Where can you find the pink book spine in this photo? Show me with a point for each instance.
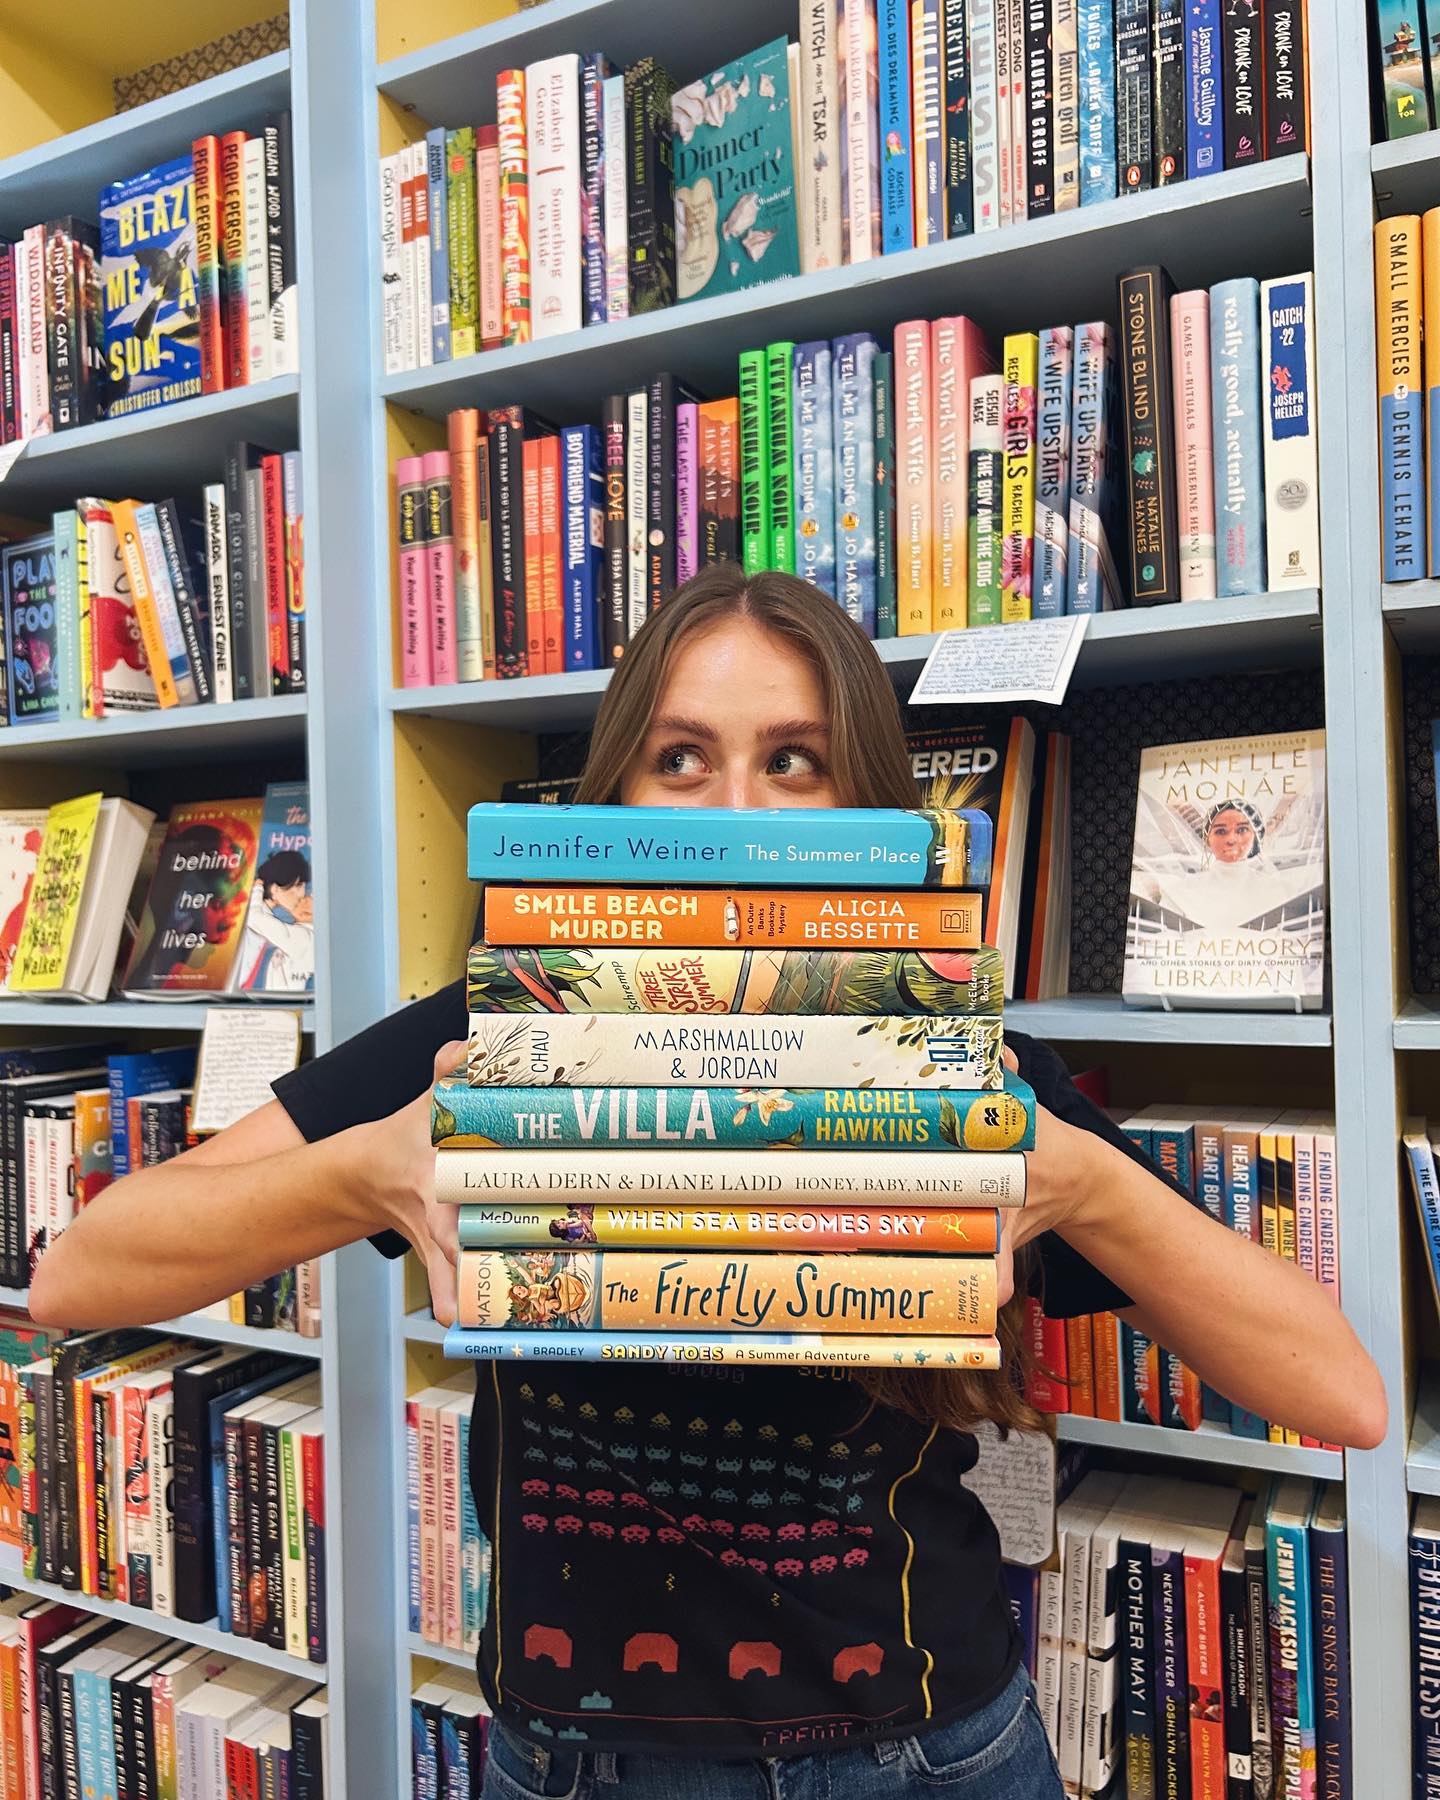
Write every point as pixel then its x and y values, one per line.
pixel 1327 1219
pixel 487 214
pixel 914 487
pixel 410 537
pixel 958 354
pixel 1004 203
pixel 1194 453
pixel 429 1523
pixel 1019 129
pixel 440 568
pixel 1303 1165
pixel 451 1626
pixel 859 41
pixel 687 492
pixel 514 205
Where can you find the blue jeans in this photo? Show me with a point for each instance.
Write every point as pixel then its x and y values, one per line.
pixel 998 1753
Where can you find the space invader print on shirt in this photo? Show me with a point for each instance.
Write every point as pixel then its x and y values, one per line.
pixel 712 1547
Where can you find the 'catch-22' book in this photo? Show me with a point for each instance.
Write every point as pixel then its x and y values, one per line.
pixel 731 1118
pixel 878 847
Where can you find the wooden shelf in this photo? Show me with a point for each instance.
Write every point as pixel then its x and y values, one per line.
pixel 1064 266
pixel 143 740
pixel 121 1015
pixel 1406 173
pixel 1207 1445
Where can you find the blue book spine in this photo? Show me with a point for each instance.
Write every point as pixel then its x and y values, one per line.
pixel 1287 1570
pixel 897 175
pixel 424 1752
pixel 853 377
pixel 1425 1658
pixel 1092 582
pixel 1095 28
pixel 1205 125
pixel 141 1072
pixel 582 532
pixel 594 68
pixel 87 1748
pixel 1172 1698
pixel 1052 470
pixel 412 1518
pixel 1330 1648
pixel 109 1788
pixel 454 1759
pixel 1237 413
pixel 769 847
pixel 1022 1591
pixel 814 429
pixel 439 245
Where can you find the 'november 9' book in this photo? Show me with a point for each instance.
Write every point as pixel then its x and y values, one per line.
pixel 1227 887
pixel 803 847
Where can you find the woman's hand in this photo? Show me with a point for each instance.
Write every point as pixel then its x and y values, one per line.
pixel 1059 1173
pixel 402 1181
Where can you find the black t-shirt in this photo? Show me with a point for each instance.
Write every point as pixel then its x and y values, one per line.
pixel 727 1562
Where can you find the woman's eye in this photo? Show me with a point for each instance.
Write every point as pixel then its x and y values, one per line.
pixel 792 760
pixel 680 759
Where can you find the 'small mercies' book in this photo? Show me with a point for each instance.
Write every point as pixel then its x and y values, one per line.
pixel 1227 888
pixel 873 847
pixel 1398 314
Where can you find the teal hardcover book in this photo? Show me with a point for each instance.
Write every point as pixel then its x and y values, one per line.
pixel 767 847
pixel 735 217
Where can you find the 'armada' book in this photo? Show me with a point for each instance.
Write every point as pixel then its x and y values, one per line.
pixel 772 1349
pixel 935 1230
pixel 1227 888
pixel 579 1290
pixel 606 1049
pixel 874 1118
pixel 880 847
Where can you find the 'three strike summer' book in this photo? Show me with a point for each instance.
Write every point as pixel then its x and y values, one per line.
pixel 877 847
pixel 735 218
pixel 152 298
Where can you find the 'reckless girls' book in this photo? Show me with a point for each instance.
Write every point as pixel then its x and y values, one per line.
pixel 151 293
pixel 735 212
pixel 880 847
pixel 1149 435
pixel 874 1118
pixel 576 979
pixel 1227 888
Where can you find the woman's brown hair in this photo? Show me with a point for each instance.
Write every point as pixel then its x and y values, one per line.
pixel 870 767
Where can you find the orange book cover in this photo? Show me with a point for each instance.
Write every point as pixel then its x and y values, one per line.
pixel 530 538
pixel 1105 1361
pixel 551 583
pixel 586 1290
pixel 959 353
pixel 1204 1551
pixel 1046 1389
pixel 1079 1357
pixel 712 918
pixel 462 435
pixel 914 497
pixel 142 599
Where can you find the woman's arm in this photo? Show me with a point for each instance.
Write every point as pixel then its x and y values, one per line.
pixel 254 1199
pixel 1260 1330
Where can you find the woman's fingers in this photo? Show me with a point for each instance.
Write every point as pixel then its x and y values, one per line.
pixel 450 1058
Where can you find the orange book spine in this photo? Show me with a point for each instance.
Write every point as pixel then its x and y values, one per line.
pixel 914 495
pixel 142 598
pixel 1205 1677
pixel 1079 1358
pixel 463 439
pixel 711 918
pixel 551 599
pixel 530 549
pixel 1105 1361
pixel 959 353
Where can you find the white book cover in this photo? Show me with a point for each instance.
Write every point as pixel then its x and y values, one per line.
pixel 1048 1631
pixel 637 435
pixel 1292 500
pixel 552 117
pixel 217 591
pixel 1227 883
pixel 817 170
pixel 257 275
pixel 424 353
pixel 984 116
pixel 395 345
pixel 1065 108
pixel 34 343
pixel 22 830
pixel 411 172
pixel 160 1431
pixel 617 204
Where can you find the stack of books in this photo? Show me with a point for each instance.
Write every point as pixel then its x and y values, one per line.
pixel 677 1036
pixel 449 1731
pixel 448 1557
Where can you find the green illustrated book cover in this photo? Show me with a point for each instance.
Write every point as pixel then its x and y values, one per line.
pixel 735 222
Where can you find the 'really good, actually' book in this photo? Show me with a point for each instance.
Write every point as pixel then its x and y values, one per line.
pixel 735 207
pixel 1227 886
pixel 506 1050
pixel 572 978
pixel 194 915
pixel 578 1290
pixel 880 847
pixel 540 1225
pixel 1237 399
pixel 663 1118
pixel 151 290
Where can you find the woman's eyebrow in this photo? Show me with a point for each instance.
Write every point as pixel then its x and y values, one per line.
pixel 795 728
pixel 696 728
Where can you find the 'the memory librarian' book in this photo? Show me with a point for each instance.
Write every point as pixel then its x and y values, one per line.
pixel 836 847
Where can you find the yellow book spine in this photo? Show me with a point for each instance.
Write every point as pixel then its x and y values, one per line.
pixel 42 956
pixel 1017 554
pixel 142 597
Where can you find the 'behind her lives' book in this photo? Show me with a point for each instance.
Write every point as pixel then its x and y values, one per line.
pixel 1227 889
pixel 191 927
pixel 792 846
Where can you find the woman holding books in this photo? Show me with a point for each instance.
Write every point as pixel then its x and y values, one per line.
pixel 688 1628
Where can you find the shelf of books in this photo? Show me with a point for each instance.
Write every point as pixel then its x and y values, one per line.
pixel 1205 1445
pixel 1422 1464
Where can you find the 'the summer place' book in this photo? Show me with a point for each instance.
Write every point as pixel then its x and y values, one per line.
pixel 853 1118
pixel 797 846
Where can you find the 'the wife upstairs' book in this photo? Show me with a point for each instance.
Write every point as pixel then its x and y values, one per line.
pixel 793 847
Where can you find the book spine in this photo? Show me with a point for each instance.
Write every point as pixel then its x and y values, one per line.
pixel 581 531
pixel 440 566
pixel 899 167
pixel 1066 147
pixel 950 382
pixel 637 474
pixel 514 206
pixel 282 300
pixel 292 1557
pixel 9 349
pixel 217 595
pixel 1287 1569
pixel 160 1435
pixel 957 107
pixel 780 455
pixel 1237 1675
pixel 754 461
pixel 1105 1358
pixel 462 270
pixel 1095 32
pixel 1038 82
pixel 552 583
pixel 507 454
pixel 882 414
pixel 1430 254
pixel 1171 1700
pixel 738 1349
pixel 412 1512
pixel 984 116
pixel 489 280
pixel 62 322
pixel 616 600
pixel 1017 555
pixel 271 523
pixel 1134 97
pixel 1054 401
pixel 1137 1686
pixel 395 347
pixel 186 597
pixel 822 246
pixel 1004 56
pixel 651 188
pixel 1424 1651
pixel 687 491
pixel 813 408
pixel 415 253
pixel 1092 584
pixel 1330 1631
pixel 1285 78
pixel 1168 27
pixel 593 70
pixel 1019 122
pixel 497 1225
pixel 854 361
pixel 1149 435
pixel 914 480
pixel 1292 507
pixel 313 1503
pixel 1239 475
pixel 142 596
pixel 35 362
pixel 1205 125
pixel 927 100
pixel 1194 443
pixel 531 556
pixel 659 491
pixel 961 1053
pixel 463 440
pixel 447 1444
pixel 1205 1675
pixel 1240 52
pixel 986 459
pixel 617 219
pixel 166 604
pixel 552 117
pixel 233 216
pixel 429 1460
pixel 858 36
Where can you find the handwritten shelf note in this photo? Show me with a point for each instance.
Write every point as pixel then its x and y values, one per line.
pixel 1014 1480
pixel 242 1050
pixel 990 663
